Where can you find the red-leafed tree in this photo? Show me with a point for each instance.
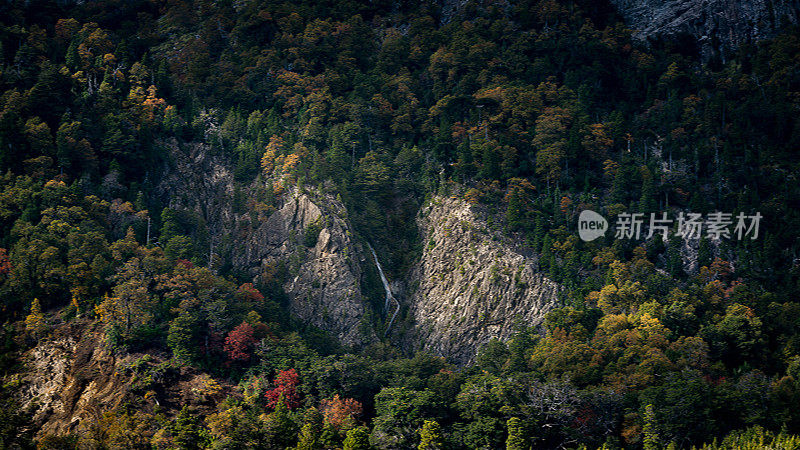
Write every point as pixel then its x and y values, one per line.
pixel 248 293
pixel 337 410
pixel 285 384
pixel 5 263
pixel 239 342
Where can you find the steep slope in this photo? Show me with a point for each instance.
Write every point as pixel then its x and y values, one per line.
pixel 715 24
pixel 72 379
pixel 324 274
pixel 471 284
pixel 324 279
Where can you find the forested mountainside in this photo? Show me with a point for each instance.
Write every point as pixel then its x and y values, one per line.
pixel 343 224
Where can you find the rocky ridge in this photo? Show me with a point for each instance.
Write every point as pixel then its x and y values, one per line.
pixel 72 378
pixel 471 284
pixel 468 287
pixel 324 284
pixel 324 278
pixel 716 25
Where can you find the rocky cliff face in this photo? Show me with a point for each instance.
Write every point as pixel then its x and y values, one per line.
pixel 470 284
pixel 324 285
pixel 324 273
pixel 717 25
pixel 72 379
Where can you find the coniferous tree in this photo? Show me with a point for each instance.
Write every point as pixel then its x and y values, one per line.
pixel 516 436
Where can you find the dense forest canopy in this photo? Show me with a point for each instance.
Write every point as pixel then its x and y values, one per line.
pixel 531 110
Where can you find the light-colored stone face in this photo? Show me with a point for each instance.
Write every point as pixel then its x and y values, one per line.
pixel 468 287
pixel 324 283
pixel 48 366
pixel 69 383
pixel 720 23
pixel 471 283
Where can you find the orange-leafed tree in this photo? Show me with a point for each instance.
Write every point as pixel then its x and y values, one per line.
pixel 274 149
pixel 338 411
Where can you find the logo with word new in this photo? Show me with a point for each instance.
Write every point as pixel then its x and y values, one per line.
pixel 717 225
pixel 591 225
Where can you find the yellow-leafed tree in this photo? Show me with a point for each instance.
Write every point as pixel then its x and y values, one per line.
pixel 35 323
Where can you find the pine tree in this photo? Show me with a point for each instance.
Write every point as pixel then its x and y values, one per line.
pixel 514 212
pixel 282 430
pixel 674 259
pixel 465 168
pixel 71 58
pixel 170 226
pixel 538 230
pixel 311 434
pixel 187 430
pixel 181 337
pixel 490 162
pixel 647 203
pixel 551 128
pixel 518 345
pixel 546 256
pixel 650 439
pixel 309 438
pixel 619 188
pixel 516 435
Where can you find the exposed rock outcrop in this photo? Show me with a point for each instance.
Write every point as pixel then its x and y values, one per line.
pixel 324 278
pixel 470 285
pixel 72 379
pixel 717 25
pixel 324 282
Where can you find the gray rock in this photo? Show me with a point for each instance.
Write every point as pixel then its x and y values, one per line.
pixel 324 283
pixel 717 25
pixel 324 280
pixel 470 284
